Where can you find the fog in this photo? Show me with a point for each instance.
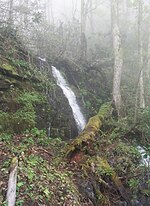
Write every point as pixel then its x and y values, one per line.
pixel 71 18
pixel 67 10
pixel 64 9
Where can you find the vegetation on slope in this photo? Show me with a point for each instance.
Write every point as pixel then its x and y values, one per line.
pixel 45 177
pixel 30 100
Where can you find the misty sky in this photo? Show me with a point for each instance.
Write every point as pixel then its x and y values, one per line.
pixel 63 9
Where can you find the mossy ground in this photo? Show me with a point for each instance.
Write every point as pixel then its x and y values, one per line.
pixel 45 177
pixel 42 179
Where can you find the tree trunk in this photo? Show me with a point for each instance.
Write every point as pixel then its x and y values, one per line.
pixel 148 56
pixel 83 17
pixel 49 11
pixel 25 16
pixel 10 17
pixel 140 55
pixel 141 86
pixel 91 16
pixel 83 27
pixel 118 59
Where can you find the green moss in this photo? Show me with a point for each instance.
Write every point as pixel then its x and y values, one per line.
pixel 8 67
pixel 91 129
pixel 25 115
pixel 105 110
pixel 10 81
pixel 94 123
pixel 98 166
pixel 14 163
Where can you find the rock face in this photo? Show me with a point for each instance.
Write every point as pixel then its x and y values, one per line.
pixel 55 111
pixel 21 73
pixel 62 117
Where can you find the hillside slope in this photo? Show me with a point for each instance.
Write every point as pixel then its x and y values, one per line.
pixel 35 117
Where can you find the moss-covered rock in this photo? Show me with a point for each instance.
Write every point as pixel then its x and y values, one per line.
pixel 9 68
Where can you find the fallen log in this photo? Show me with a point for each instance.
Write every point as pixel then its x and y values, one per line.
pixel 11 191
pixel 91 130
pixel 80 145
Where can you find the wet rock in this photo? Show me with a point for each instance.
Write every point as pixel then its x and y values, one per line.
pixel 122 203
pixel 88 190
pixel 145 201
pixel 136 203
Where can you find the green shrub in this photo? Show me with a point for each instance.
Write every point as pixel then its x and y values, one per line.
pixel 144 124
pixel 29 98
pixel 5 121
pixel 25 117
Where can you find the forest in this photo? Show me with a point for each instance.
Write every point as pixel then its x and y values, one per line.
pixel 75 102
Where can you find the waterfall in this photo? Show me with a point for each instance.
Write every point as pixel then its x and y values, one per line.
pixel 145 158
pixel 78 116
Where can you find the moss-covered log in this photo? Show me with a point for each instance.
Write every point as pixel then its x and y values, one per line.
pixel 114 177
pixel 76 150
pixel 91 129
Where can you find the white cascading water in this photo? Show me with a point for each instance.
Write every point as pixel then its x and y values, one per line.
pixel 145 160
pixel 78 116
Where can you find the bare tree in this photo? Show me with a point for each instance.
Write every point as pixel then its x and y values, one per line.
pixel 87 8
pixel 118 59
pixel 49 8
pixel 10 17
pixel 91 19
pixel 83 28
pixel 148 56
pixel 140 54
pixel 26 7
pixel 83 16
